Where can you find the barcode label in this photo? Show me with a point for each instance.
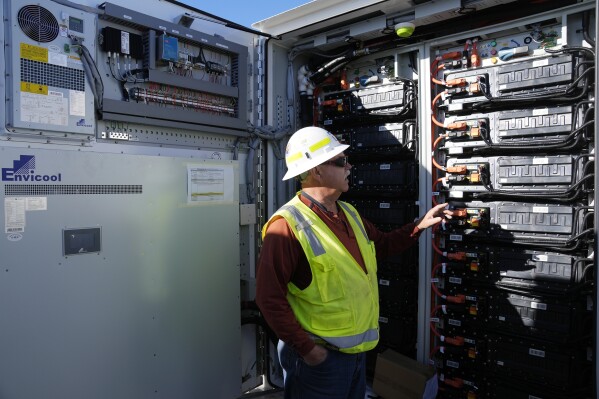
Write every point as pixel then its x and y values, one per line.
pixel 536 352
pixel 455 365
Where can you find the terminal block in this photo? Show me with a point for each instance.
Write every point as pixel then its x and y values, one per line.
pixel 466 86
pixel 469 129
pixel 470 218
pixel 467 174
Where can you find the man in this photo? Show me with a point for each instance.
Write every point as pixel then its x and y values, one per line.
pixel 316 277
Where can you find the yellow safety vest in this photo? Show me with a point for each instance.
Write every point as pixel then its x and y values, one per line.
pixel 341 304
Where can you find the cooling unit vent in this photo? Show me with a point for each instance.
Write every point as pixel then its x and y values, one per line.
pixel 38 23
pixel 11 190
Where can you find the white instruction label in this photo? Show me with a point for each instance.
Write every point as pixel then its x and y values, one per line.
pixel 36 203
pixel 14 214
pixel 125 42
pixel 51 109
pixel 77 104
pixel 57 59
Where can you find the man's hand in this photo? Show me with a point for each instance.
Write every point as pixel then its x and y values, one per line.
pixel 433 216
pixel 317 355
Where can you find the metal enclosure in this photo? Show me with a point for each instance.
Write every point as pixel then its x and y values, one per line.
pixel 502 112
pixel 121 230
pixel 141 151
pixel 153 313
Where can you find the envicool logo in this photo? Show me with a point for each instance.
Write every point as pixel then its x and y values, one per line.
pixel 81 122
pixel 23 169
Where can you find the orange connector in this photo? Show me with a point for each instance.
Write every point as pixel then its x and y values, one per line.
pixel 460 125
pixel 457 170
pixel 474 87
pixel 454 382
pixel 474 177
pixel 460 213
pixel 457 341
pixel 456 82
pixel 456 298
pixel 460 256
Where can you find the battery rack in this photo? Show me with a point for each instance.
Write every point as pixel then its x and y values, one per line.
pixel 513 276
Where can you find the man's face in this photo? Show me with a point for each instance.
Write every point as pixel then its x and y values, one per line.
pixel 334 174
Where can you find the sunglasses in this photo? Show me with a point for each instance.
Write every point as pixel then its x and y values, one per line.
pixel 341 162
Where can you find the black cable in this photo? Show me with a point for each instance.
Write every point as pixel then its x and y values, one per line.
pixel 549 242
pixel 562 144
pixel 325 70
pixel 572 49
pixel 550 94
pixel 91 71
pixel 546 293
pixel 570 194
pixel 586 17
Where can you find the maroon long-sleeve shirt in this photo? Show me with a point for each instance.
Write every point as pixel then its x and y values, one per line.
pixel 282 260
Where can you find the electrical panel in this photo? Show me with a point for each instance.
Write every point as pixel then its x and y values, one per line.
pixel 48 93
pixel 168 75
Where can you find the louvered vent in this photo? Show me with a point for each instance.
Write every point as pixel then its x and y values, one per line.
pixel 21 190
pixel 38 23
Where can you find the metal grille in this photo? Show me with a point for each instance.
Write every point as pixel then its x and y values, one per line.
pixel 38 23
pixel 52 75
pixel 70 189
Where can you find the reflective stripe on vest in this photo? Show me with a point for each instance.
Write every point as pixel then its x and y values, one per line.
pixel 303 224
pixel 351 341
pixel 355 216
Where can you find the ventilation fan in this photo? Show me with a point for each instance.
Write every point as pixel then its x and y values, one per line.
pixel 38 23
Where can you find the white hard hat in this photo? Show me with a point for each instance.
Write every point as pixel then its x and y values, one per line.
pixel 309 147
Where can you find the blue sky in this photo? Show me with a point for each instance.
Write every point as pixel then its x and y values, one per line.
pixel 244 12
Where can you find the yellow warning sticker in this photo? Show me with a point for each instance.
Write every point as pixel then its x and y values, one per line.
pixel 34 88
pixel 34 53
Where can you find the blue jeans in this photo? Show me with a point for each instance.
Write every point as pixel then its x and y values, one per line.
pixel 340 376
